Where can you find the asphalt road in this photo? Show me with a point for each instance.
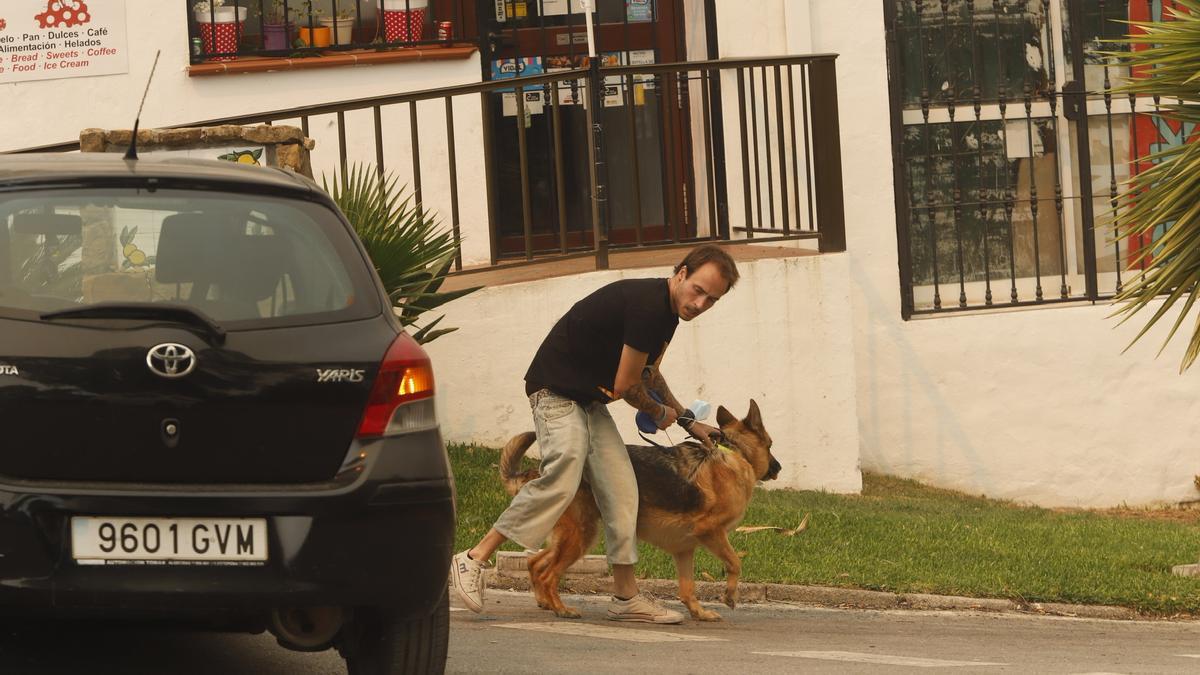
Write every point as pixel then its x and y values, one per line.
pixel 513 636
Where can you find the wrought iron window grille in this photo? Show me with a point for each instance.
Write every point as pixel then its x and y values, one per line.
pixel 1008 149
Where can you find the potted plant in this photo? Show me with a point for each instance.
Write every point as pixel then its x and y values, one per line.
pixel 341 25
pixel 277 28
pixel 310 32
pixel 410 248
pixel 216 11
pixel 220 27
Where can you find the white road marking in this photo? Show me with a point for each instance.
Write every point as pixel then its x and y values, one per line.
pixel 882 659
pixel 1189 656
pixel 607 633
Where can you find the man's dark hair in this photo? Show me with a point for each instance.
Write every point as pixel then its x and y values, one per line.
pixel 710 253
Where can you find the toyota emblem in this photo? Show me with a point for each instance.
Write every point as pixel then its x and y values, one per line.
pixel 171 360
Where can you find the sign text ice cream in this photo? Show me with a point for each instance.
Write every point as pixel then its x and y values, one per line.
pixel 51 39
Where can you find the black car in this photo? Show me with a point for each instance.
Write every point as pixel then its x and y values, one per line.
pixel 209 409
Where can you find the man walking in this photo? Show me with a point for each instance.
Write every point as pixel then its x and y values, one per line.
pixel 608 346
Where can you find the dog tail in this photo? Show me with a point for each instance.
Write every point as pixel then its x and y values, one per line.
pixel 510 462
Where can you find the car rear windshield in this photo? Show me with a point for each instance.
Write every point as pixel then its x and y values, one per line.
pixel 235 257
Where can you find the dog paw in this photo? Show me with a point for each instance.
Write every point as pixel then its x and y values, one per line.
pixel 706 615
pixel 567 613
pixel 730 598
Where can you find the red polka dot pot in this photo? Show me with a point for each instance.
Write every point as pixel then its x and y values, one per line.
pixel 404 20
pixel 223 35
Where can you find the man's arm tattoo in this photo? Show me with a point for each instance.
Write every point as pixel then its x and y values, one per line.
pixel 653 379
pixel 639 397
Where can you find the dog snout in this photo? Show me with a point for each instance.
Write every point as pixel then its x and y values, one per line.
pixel 773 469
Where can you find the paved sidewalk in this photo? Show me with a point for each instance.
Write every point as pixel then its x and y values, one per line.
pixel 513 636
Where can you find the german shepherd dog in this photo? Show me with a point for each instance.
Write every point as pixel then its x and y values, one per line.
pixel 689 496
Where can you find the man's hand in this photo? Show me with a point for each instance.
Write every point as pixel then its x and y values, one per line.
pixel 667 417
pixel 704 433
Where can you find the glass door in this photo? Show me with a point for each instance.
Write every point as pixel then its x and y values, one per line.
pixel 532 37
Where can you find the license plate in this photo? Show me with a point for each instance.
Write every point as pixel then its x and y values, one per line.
pixel 168 541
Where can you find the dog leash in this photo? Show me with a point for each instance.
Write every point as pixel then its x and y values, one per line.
pixel 721 444
pixel 644 422
pixel 656 444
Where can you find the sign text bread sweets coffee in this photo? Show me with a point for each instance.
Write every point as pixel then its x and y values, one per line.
pixel 52 39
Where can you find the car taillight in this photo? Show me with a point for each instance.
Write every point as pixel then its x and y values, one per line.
pixel 402 397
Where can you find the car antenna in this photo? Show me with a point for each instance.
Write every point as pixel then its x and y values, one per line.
pixel 131 153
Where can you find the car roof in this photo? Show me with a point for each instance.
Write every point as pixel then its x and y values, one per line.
pixel 59 167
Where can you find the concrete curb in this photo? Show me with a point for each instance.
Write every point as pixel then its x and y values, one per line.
pixel 1190 570
pixel 822 596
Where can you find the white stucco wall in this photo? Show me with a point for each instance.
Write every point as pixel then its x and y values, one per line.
pixel 768 340
pixel 53 111
pixel 1037 406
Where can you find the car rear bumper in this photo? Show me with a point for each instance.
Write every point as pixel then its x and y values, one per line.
pixel 386 540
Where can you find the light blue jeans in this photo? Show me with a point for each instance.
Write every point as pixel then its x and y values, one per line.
pixel 577 442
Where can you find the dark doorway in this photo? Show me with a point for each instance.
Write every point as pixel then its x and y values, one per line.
pixel 644 143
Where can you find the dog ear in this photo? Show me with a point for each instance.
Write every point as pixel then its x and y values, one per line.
pixel 754 417
pixel 724 417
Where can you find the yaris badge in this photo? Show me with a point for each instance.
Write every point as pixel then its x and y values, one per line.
pixel 171 360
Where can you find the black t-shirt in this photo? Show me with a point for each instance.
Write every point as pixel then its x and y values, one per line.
pixel 579 358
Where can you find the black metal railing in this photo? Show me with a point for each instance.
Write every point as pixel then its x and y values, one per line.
pixel 299 28
pixel 1009 146
pixel 664 175
pixel 710 151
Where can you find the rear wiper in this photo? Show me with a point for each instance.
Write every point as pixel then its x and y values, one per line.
pixel 141 310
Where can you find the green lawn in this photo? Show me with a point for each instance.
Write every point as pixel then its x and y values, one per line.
pixel 902 536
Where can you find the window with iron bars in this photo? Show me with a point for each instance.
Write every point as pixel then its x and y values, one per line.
pixel 1010 149
pixel 226 30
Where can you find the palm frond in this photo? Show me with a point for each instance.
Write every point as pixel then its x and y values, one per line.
pixel 1164 62
pixel 411 251
pixel 427 334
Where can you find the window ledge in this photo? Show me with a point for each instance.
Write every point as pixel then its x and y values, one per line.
pixel 358 57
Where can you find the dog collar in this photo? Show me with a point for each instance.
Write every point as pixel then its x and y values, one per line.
pixel 724 448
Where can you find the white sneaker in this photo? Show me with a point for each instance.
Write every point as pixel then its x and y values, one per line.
pixel 466 577
pixel 642 608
